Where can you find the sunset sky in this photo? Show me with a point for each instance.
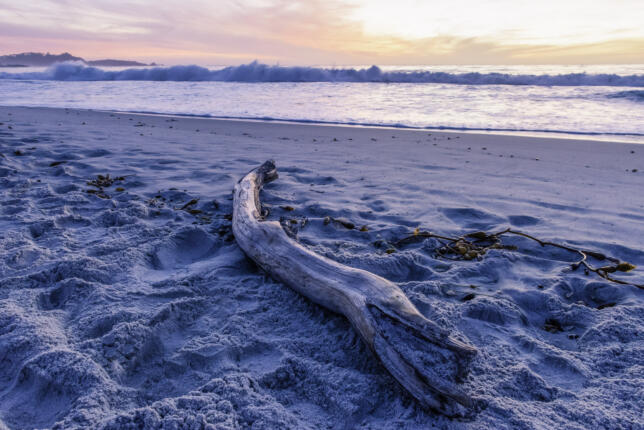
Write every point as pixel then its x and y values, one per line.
pixel 330 32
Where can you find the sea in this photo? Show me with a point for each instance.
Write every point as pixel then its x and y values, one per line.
pixel 602 102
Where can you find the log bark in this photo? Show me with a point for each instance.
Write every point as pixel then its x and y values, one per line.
pixel 424 358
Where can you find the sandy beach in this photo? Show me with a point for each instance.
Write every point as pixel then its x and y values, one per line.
pixel 126 301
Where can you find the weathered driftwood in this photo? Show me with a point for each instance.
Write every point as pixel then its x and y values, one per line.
pixel 426 360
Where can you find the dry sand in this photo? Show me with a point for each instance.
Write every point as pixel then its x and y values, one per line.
pixel 138 309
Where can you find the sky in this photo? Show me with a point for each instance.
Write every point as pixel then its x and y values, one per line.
pixel 330 32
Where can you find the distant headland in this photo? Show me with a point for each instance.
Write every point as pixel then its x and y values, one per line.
pixel 38 59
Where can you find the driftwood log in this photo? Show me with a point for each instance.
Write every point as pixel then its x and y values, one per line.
pixel 423 357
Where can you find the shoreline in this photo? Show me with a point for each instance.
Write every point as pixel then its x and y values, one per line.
pixel 520 134
pixel 556 134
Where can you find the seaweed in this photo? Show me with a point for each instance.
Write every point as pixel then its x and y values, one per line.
pixel 341 221
pixel 104 181
pixel 101 182
pixel 475 245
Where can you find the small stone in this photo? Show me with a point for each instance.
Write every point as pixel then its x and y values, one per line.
pixel 606 305
pixel 345 223
pixel 552 325
pixel 468 297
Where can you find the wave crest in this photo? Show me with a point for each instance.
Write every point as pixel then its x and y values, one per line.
pixel 257 72
pixel 634 95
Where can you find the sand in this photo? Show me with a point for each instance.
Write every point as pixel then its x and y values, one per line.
pixel 133 307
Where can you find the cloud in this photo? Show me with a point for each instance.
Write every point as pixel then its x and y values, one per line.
pixel 290 32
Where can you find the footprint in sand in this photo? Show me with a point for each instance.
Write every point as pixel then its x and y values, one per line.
pixel 522 220
pixel 185 247
pixel 472 218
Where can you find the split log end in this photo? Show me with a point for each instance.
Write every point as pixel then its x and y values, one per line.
pixel 267 172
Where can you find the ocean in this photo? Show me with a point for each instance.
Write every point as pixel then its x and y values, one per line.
pixel 603 102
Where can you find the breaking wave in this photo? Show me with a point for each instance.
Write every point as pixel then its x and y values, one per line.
pixel 257 72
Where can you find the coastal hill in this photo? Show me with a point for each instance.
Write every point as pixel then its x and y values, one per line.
pixel 37 59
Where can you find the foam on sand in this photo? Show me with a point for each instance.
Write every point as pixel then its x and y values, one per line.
pixel 133 306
